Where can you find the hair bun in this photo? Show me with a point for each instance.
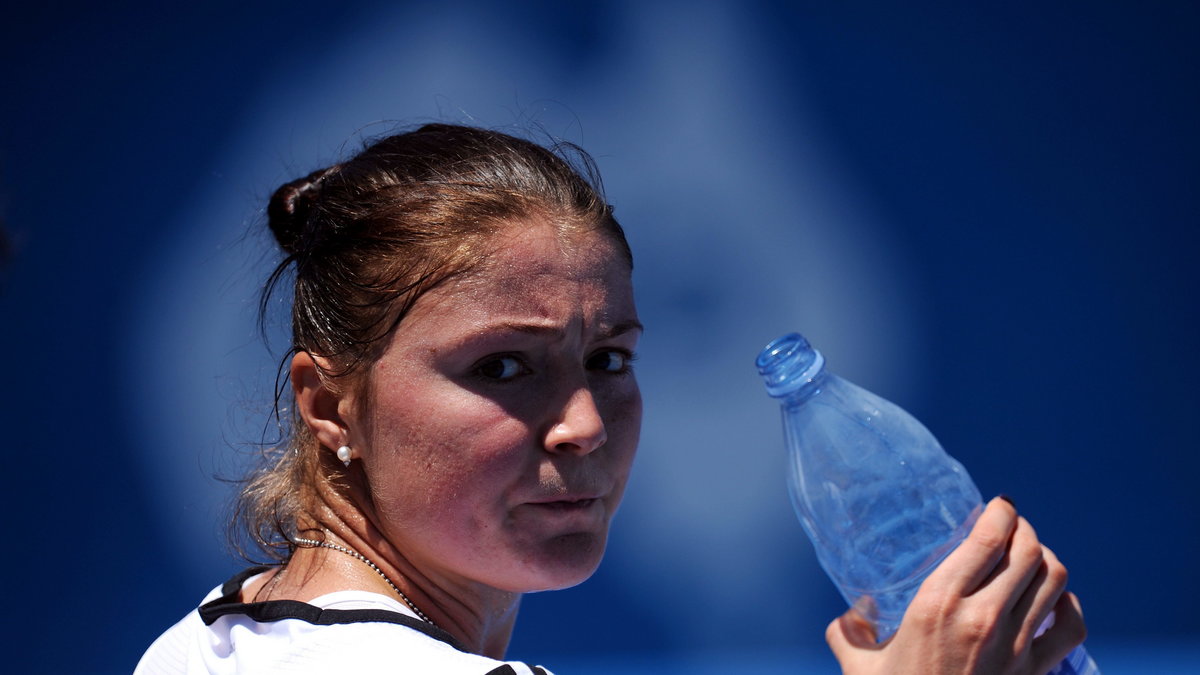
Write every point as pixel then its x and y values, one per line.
pixel 290 207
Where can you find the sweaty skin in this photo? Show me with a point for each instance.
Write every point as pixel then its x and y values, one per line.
pixel 492 438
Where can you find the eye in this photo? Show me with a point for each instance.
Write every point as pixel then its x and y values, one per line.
pixel 610 361
pixel 501 368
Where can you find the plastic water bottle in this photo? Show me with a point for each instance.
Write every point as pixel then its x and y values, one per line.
pixel 880 499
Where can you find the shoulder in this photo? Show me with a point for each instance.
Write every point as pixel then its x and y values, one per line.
pixel 225 635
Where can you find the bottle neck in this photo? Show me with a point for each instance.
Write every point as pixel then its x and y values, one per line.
pixel 791 369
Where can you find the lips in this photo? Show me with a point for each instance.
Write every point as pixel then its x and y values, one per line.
pixel 567 504
pixel 567 497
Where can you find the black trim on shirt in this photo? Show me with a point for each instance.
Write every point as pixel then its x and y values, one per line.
pixel 230 602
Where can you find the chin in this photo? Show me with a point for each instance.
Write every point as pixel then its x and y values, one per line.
pixel 565 561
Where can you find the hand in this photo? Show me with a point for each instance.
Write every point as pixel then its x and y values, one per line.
pixel 978 612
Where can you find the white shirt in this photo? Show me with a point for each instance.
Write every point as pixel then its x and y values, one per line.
pixel 348 631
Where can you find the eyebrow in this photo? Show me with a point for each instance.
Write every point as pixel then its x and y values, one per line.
pixel 616 329
pixel 624 327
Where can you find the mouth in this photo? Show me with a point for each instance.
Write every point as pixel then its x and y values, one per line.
pixel 564 514
pixel 567 504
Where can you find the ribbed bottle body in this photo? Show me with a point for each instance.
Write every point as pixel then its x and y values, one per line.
pixel 880 499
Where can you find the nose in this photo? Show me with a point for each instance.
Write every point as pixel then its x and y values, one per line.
pixel 579 429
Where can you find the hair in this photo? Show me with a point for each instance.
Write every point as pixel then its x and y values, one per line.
pixel 365 239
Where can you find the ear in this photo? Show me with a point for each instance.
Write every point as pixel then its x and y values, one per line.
pixel 317 404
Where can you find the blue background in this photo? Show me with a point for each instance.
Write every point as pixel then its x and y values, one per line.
pixel 987 214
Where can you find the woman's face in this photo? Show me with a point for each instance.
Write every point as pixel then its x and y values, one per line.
pixel 500 423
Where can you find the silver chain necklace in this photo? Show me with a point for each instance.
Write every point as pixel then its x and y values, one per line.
pixel 356 554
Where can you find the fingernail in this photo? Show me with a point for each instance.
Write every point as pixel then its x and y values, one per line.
pixel 1008 499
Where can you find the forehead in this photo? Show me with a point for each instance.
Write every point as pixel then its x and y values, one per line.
pixel 522 254
pixel 534 267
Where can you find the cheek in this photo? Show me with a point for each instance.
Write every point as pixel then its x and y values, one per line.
pixel 429 460
pixel 623 422
pixel 621 406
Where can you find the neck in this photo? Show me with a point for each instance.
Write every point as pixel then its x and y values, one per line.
pixel 478 616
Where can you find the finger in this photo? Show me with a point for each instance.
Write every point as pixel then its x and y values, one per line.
pixel 1067 633
pixel 1012 576
pixel 977 556
pixel 848 633
pixel 1041 597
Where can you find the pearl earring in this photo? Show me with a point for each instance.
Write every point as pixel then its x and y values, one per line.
pixel 345 454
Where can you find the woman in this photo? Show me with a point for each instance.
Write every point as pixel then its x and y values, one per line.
pixel 465 420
